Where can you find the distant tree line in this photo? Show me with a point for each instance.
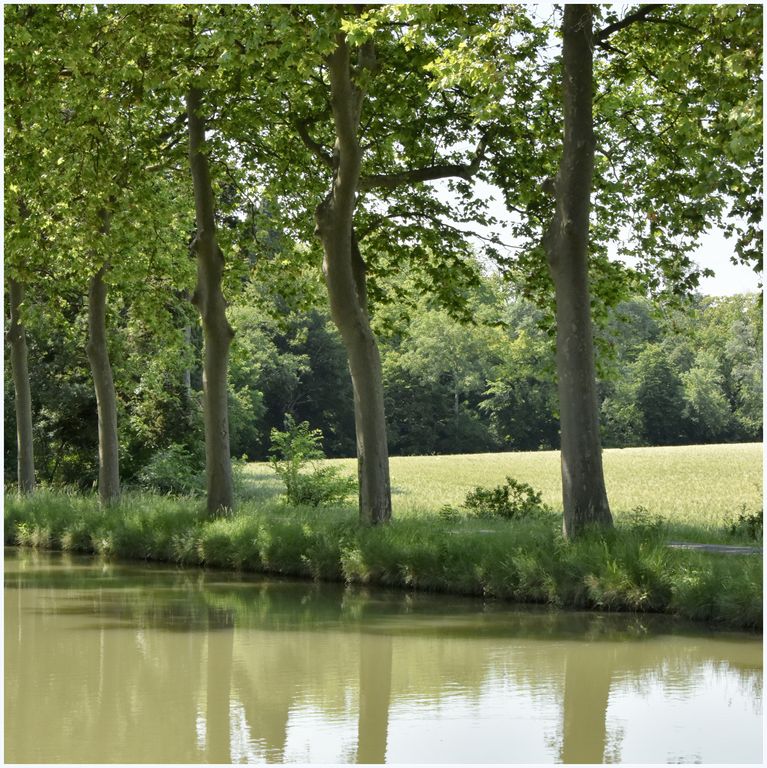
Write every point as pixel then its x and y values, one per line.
pixel 688 374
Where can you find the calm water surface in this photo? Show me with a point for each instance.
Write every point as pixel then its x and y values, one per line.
pixel 115 663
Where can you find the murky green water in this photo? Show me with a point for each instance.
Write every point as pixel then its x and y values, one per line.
pixel 114 663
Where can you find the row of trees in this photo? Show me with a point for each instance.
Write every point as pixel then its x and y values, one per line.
pixel 312 130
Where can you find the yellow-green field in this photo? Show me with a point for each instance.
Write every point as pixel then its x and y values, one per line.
pixel 700 485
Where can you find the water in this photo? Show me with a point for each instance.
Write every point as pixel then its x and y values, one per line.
pixel 125 663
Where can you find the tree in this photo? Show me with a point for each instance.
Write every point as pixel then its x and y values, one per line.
pixel 706 406
pixel 209 299
pixel 566 243
pixel 95 210
pixel 657 115
pixel 360 63
pixel 659 397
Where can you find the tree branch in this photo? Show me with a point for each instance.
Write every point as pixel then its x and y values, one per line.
pixel 314 147
pixel 431 173
pixel 632 18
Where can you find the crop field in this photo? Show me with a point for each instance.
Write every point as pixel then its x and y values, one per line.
pixel 699 485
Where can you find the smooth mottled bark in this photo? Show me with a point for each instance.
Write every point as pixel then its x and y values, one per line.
pixel 106 398
pixel 344 271
pixel 566 245
pixel 186 374
pixel 23 395
pixel 209 300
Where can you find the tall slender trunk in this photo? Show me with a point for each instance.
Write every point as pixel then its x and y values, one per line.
pixel 23 394
pixel 106 399
pixel 566 245
pixel 186 374
pixel 209 300
pixel 344 271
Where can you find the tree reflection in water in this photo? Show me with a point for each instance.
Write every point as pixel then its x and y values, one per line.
pixel 126 664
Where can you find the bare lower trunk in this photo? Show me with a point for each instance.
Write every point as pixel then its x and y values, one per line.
pixel 209 300
pixel 23 395
pixel 186 375
pixel 566 244
pixel 106 399
pixel 346 290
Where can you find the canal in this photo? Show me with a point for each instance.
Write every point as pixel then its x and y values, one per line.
pixel 108 662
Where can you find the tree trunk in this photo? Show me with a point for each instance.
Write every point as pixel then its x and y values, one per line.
pixel 209 300
pixel 566 245
pixel 23 395
pixel 106 399
pixel 344 271
pixel 186 374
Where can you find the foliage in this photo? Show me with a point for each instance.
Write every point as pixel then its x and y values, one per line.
pixel 513 499
pixel 643 522
pixel 100 127
pixel 298 448
pixel 174 470
pixel 748 524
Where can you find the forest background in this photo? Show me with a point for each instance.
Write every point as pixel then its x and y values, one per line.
pixel 685 373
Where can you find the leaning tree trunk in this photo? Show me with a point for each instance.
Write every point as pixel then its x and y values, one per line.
pixel 566 244
pixel 18 343
pixel 345 278
pixel 106 399
pixel 209 300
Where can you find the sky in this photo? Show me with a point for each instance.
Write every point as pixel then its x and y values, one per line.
pixel 713 252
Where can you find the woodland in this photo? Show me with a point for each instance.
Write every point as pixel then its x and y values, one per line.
pixel 217 217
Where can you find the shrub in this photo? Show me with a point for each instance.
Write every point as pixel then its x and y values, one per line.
pixel 642 522
pixel 448 513
pixel 513 499
pixel 294 451
pixel 748 524
pixel 174 469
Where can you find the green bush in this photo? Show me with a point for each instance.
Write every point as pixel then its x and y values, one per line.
pixel 174 470
pixel 748 524
pixel 297 450
pixel 642 522
pixel 511 500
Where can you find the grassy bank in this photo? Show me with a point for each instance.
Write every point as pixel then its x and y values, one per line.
pixel 521 560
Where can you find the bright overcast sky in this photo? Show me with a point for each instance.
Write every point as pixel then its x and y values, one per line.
pixel 713 252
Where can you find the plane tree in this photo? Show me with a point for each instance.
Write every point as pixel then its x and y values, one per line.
pixel 638 136
pixel 90 211
pixel 356 135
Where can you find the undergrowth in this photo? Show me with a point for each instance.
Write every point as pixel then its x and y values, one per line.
pixel 525 560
